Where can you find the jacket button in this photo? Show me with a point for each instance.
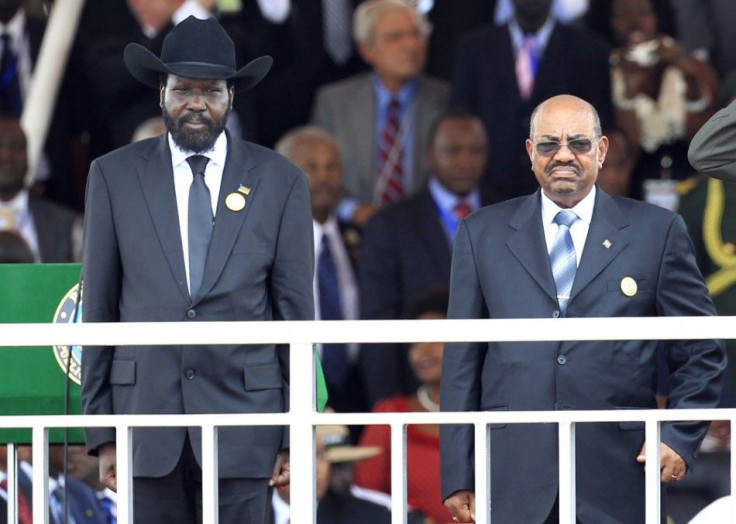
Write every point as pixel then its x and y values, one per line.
pixel 562 360
pixel 191 313
pixel 556 314
pixel 189 373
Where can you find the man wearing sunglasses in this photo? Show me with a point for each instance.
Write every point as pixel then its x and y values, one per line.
pixel 571 250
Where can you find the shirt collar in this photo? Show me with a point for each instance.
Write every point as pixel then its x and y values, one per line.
pixel 18 203
pixel 447 200
pixel 384 96
pixel 15 27
pixel 329 228
pixel 584 209
pixel 541 37
pixel 217 154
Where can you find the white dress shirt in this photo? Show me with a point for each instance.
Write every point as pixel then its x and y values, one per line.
pixel 183 181
pixel 578 231
pixel 275 11
pixel 24 224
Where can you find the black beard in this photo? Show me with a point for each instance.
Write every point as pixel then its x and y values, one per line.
pixel 195 140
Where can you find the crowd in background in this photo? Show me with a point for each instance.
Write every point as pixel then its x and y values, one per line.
pixel 406 116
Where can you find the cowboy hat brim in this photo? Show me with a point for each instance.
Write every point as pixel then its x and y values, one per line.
pixel 147 69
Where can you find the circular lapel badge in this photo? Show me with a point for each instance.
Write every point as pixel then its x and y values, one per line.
pixel 235 201
pixel 628 286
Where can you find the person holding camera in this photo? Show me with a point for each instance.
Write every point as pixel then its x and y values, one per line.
pixel 662 95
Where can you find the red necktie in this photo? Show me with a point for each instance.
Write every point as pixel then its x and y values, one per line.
pixel 462 209
pixel 24 511
pixel 391 170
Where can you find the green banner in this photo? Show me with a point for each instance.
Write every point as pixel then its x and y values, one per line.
pixel 32 379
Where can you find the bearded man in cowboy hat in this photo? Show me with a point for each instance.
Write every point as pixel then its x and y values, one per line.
pixel 195 226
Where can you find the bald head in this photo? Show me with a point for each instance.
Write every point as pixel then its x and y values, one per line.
pixel 568 101
pixel 316 152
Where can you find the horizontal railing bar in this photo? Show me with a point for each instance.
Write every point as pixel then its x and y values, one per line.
pixel 361 331
pixel 284 419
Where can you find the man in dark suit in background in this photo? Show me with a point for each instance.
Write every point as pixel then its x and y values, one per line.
pixel 53 232
pixel 336 245
pixel 570 250
pixel 503 72
pixel 406 249
pixel 308 39
pixel 153 251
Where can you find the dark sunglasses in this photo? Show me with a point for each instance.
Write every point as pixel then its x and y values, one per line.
pixel 579 146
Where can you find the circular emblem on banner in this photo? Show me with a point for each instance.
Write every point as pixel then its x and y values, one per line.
pixel 69 358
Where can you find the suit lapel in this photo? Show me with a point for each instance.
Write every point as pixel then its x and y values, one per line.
pixel 547 80
pixel 529 245
pixel 506 65
pixel 360 110
pixel 157 180
pixel 228 224
pixel 432 234
pixel 425 110
pixel 607 228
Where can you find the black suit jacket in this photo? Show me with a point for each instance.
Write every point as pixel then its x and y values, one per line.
pixel 301 66
pixel 56 227
pixel 259 267
pixel 405 253
pixel 339 508
pixel 575 62
pixel 501 269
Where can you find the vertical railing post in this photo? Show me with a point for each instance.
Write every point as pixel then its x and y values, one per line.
pixel 302 406
pixel 732 501
pixel 567 493
pixel 40 474
pixel 482 435
pixel 124 472
pixel 652 476
pixel 398 474
pixel 12 472
pixel 210 478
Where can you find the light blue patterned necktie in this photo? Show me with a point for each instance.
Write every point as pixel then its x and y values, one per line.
pixel 562 257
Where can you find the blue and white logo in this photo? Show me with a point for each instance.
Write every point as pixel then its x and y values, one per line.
pixel 70 311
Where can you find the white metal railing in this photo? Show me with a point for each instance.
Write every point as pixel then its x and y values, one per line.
pixel 302 418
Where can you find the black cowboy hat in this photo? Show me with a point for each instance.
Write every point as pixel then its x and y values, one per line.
pixel 195 49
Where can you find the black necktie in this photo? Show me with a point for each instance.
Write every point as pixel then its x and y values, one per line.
pixel 334 356
pixel 200 222
pixel 10 100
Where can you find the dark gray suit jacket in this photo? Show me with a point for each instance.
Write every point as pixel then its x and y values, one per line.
pixel 501 269
pixel 405 254
pixel 259 267
pixel 57 228
pixel 347 109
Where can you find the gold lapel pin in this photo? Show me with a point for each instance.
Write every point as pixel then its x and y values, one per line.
pixel 628 286
pixel 235 201
pixel 244 189
pixel 607 244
